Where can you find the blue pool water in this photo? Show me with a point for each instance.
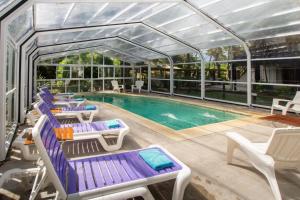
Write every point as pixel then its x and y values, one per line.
pixel 173 114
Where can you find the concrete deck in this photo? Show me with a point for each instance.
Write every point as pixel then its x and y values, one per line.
pixel 202 148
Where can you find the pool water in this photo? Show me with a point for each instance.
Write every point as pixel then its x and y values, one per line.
pixel 173 114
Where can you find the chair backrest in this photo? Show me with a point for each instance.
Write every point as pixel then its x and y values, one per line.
pixel 139 84
pixel 43 109
pixel 115 84
pixel 47 92
pixel 52 154
pixel 297 100
pixel 284 145
pixel 43 97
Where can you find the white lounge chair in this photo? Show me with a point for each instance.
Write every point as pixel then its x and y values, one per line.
pixel 282 150
pixel 116 86
pixel 291 105
pixel 138 86
pixel 107 176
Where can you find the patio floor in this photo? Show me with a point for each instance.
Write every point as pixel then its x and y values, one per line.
pixel 203 149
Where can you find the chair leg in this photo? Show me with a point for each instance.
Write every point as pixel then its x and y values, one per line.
pixel 231 146
pixel 271 177
pixel 182 180
pixel 272 110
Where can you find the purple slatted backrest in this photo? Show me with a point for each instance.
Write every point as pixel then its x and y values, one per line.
pixel 55 152
pixel 47 92
pixel 44 109
pixel 47 100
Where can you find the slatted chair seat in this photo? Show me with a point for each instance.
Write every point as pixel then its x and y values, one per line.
pixel 93 126
pixel 101 174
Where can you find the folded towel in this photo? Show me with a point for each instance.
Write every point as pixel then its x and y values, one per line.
pixel 156 159
pixel 112 124
pixel 79 99
pixel 90 107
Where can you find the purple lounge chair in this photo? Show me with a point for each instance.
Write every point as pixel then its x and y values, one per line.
pixel 63 101
pixel 71 111
pixel 91 130
pixel 59 95
pixel 100 175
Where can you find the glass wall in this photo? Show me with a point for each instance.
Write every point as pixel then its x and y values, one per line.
pixel 11 104
pixel 87 75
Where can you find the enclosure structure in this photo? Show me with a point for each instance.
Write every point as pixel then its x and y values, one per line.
pixel 244 52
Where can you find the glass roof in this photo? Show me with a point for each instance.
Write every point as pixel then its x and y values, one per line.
pixel 169 27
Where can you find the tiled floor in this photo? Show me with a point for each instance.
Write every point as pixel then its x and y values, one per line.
pixel 203 149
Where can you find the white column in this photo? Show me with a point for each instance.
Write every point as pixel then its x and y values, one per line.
pixel 149 77
pixel 202 71
pixel 92 77
pixel 249 81
pixel 103 62
pixel 171 77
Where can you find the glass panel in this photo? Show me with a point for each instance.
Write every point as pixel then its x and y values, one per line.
pixel 85 58
pixel 108 72
pixel 77 72
pixel 162 71
pixel 118 71
pixel 109 11
pixel 82 13
pixel 226 91
pixel 67 37
pixel 95 72
pixel 43 83
pixel 85 85
pixel 5 3
pixel 276 71
pixel 131 12
pixel 187 71
pixel 236 71
pixel 62 72
pixel 72 85
pixel 10 68
pixel 98 85
pixel 189 88
pixel 127 83
pixel 107 84
pixel 160 85
pixel 264 94
pixel 157 8
pixel 10 122
pixel 51 15
pixel 168 15
pixel 21 25
pixel 58 86
pixel 87 72
pixel 46 72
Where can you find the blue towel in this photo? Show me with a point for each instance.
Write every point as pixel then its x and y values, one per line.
pixel 156 159
pixel 90 107
pixel 112 124
pixel 79 99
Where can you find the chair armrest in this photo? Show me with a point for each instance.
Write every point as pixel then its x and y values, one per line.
pixel 294 103
pixel 279 100
pixel 250 150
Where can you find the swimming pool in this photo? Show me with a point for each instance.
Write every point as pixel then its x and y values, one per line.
pixel 173 114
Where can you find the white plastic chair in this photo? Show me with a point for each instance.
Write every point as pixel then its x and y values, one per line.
pixel 116 86
pixel 291 105
pixel 281 151
pixel 138 86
